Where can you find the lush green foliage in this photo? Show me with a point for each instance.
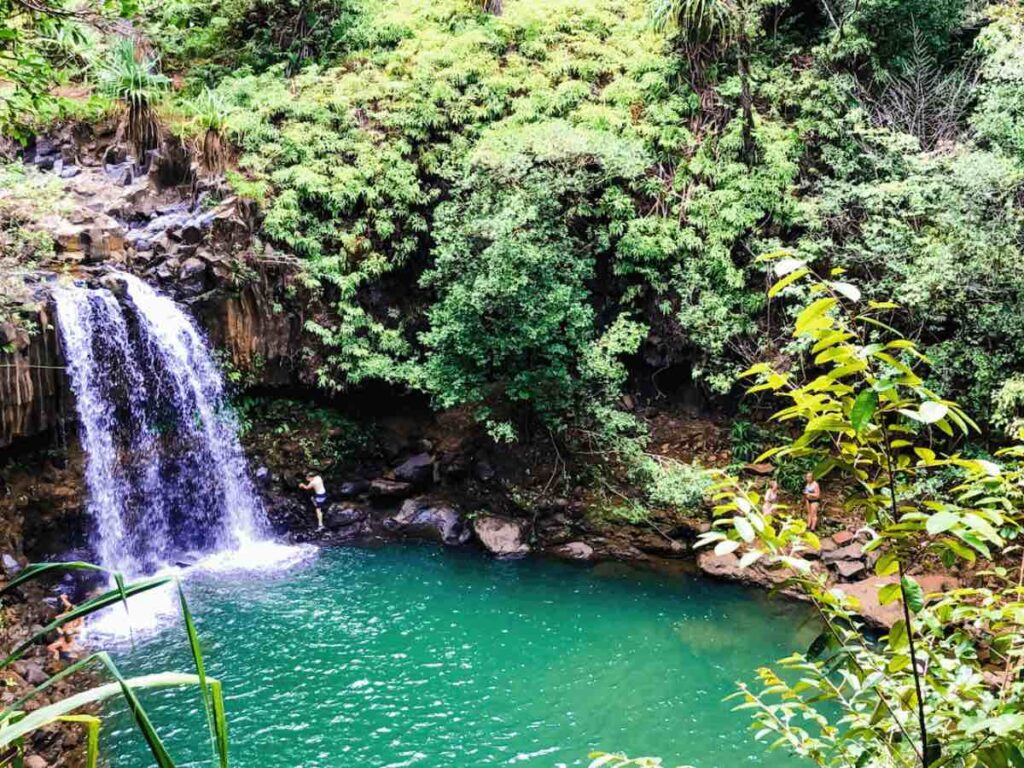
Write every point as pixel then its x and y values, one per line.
pixel 42 43
pixel 478 198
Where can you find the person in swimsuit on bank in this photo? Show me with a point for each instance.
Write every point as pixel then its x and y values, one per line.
pixel 771 498
pixel 315 483
pixel 64 648
pixel 812 500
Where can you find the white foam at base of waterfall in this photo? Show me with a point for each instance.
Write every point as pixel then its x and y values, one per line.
pixel 150 611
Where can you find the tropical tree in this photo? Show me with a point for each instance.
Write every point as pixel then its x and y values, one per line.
pixel 17 723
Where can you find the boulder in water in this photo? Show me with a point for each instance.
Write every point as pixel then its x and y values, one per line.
pixel 501 536
pixel 423 519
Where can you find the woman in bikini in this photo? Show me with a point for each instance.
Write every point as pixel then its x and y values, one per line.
pixel 771 498
pixel 812 500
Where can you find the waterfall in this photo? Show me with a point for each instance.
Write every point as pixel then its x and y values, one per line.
pixel 165 473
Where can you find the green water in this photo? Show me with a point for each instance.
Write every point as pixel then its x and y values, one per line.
pixel 416 656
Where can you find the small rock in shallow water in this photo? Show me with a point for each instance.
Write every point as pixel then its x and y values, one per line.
pixel 575 550
pixel 421 518
pixel 500 536
pixel 11 566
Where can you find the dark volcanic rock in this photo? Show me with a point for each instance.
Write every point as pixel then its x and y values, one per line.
pixel 31 671
pixel 484 472
pixel 848 569
pixel 353 488
pixel 849 552
pixel 417 470
pixel 423 519
pixel 382 489
pixel 342 516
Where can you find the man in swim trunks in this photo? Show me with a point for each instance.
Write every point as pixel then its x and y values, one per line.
pixel 315 483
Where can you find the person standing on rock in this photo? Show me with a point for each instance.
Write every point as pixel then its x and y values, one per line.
pixel 315 483
pixel 812 500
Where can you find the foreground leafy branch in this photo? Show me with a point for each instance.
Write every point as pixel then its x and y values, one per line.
pixel 16 724
pixel 942 687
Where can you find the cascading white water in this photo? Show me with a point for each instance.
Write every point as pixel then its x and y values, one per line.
pixel 166 476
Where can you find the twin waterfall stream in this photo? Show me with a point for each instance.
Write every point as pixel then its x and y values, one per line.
pixel 166 477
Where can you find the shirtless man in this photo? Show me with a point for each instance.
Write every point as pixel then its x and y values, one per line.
pixel 812 500
pixel 315 483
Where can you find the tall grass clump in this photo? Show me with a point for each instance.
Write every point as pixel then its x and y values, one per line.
pixel 133 79
pixel 16 723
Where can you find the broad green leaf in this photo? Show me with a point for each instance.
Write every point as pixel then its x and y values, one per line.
pixel 744 528
pixel 887 565
pixel 863 409
pixel 898 635
pixel 807 318
pixel 888 593
pixel 848 290
pixel 726 547
pixel 786 265
pixel 931 412
pixel 788 280
pixel 913 593
pixel 751 557
pixel 941 522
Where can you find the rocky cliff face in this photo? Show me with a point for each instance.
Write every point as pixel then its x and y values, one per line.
pixel 32 387
pixel 165 223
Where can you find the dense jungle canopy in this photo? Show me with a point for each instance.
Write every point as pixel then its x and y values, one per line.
pixel 501 204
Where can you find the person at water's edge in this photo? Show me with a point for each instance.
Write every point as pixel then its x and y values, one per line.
pixel 315 483
pixel 812 500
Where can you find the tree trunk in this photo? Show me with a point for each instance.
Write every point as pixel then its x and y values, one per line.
pixel 493 7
